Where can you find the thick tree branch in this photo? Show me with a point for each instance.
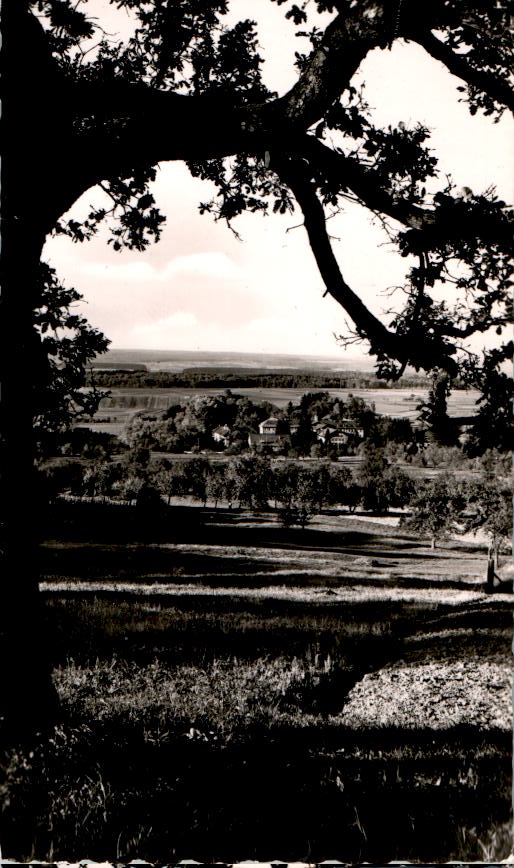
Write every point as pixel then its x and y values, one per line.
pixel 352 175
pixel 404 348
pixel 457 64
pixel 349 174
pixel 343 47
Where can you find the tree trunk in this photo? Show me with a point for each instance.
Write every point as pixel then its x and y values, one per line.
pixel 432 543
pixel 41 179
pixel 28 700
pixel 489 581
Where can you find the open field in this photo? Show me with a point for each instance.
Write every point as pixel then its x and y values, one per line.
pixel 123 403
pixel 233 690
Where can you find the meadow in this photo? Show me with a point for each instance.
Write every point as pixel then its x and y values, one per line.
pixel 122 403
pixel 233 689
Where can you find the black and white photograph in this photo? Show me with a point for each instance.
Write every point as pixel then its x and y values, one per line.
pixel 256 402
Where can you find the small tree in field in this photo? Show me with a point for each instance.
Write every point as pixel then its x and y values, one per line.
pixel 169 478
pixel 283 484
pixel 196 472
pixel 372 480
pixel 339 481
pixel 129 486
pixel 296 489
pixel 307 496
pixel 434 411
pixel 215 484
pixel 491 503
pixel 250 481
pixel 436 508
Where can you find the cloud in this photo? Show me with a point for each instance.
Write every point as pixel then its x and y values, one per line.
pixel 183 330
pixel 134 272
pixel 213 264
pixel 182 319
pixel 210 263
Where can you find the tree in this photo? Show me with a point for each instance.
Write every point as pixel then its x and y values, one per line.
pixel 307 495
pixel 170 478
pixel 321 477
pixel 283 484
pixel 100 477
pixel 138 462
pixel 130 485
pixel 296 489
pixel 371 478
pixel 436 508
pixel 215 483
pixel 67 344
pixel 303 438
pixel 249 481
pixel 491 503
pixel 85 110
pixel 434 411
pixel 59 478
pixel 400 487
pixel 492 427
pixel 340 486
pixel 196 473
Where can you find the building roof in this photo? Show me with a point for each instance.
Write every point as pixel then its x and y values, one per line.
pixel 325 426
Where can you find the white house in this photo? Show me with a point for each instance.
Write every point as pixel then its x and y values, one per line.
pixel 324 432
pixel 269 426
pixel 350 427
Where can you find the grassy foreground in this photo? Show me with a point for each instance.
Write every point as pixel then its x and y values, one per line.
pixel 252 692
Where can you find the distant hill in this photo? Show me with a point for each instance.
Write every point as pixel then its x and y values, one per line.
pixel 176 361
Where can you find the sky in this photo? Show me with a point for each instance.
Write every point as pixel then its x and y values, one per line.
pixel 200 288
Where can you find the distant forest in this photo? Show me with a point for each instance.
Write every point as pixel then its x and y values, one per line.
pixel 229 378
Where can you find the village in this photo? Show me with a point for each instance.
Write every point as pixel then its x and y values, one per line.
pixel 276 434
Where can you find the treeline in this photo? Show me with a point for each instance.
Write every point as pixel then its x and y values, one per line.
pixel 437 507
pixel 252 482
pixel 213 378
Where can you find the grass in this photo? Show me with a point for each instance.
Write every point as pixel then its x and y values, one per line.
pixel 217 700
pixel 105 791
pixel 341 693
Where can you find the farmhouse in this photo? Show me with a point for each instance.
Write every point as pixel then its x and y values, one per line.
pixel 337 433
pixel 324 432
pixel 350 428
pixel 269 426
pixel 258 441
pixel 339 440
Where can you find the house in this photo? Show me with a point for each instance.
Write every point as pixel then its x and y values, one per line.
pixel 221 435
pixel 324 432
pixel 350 427
pixel 339 433
pixel 269 426
pixel 339 440
pixel 258 441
